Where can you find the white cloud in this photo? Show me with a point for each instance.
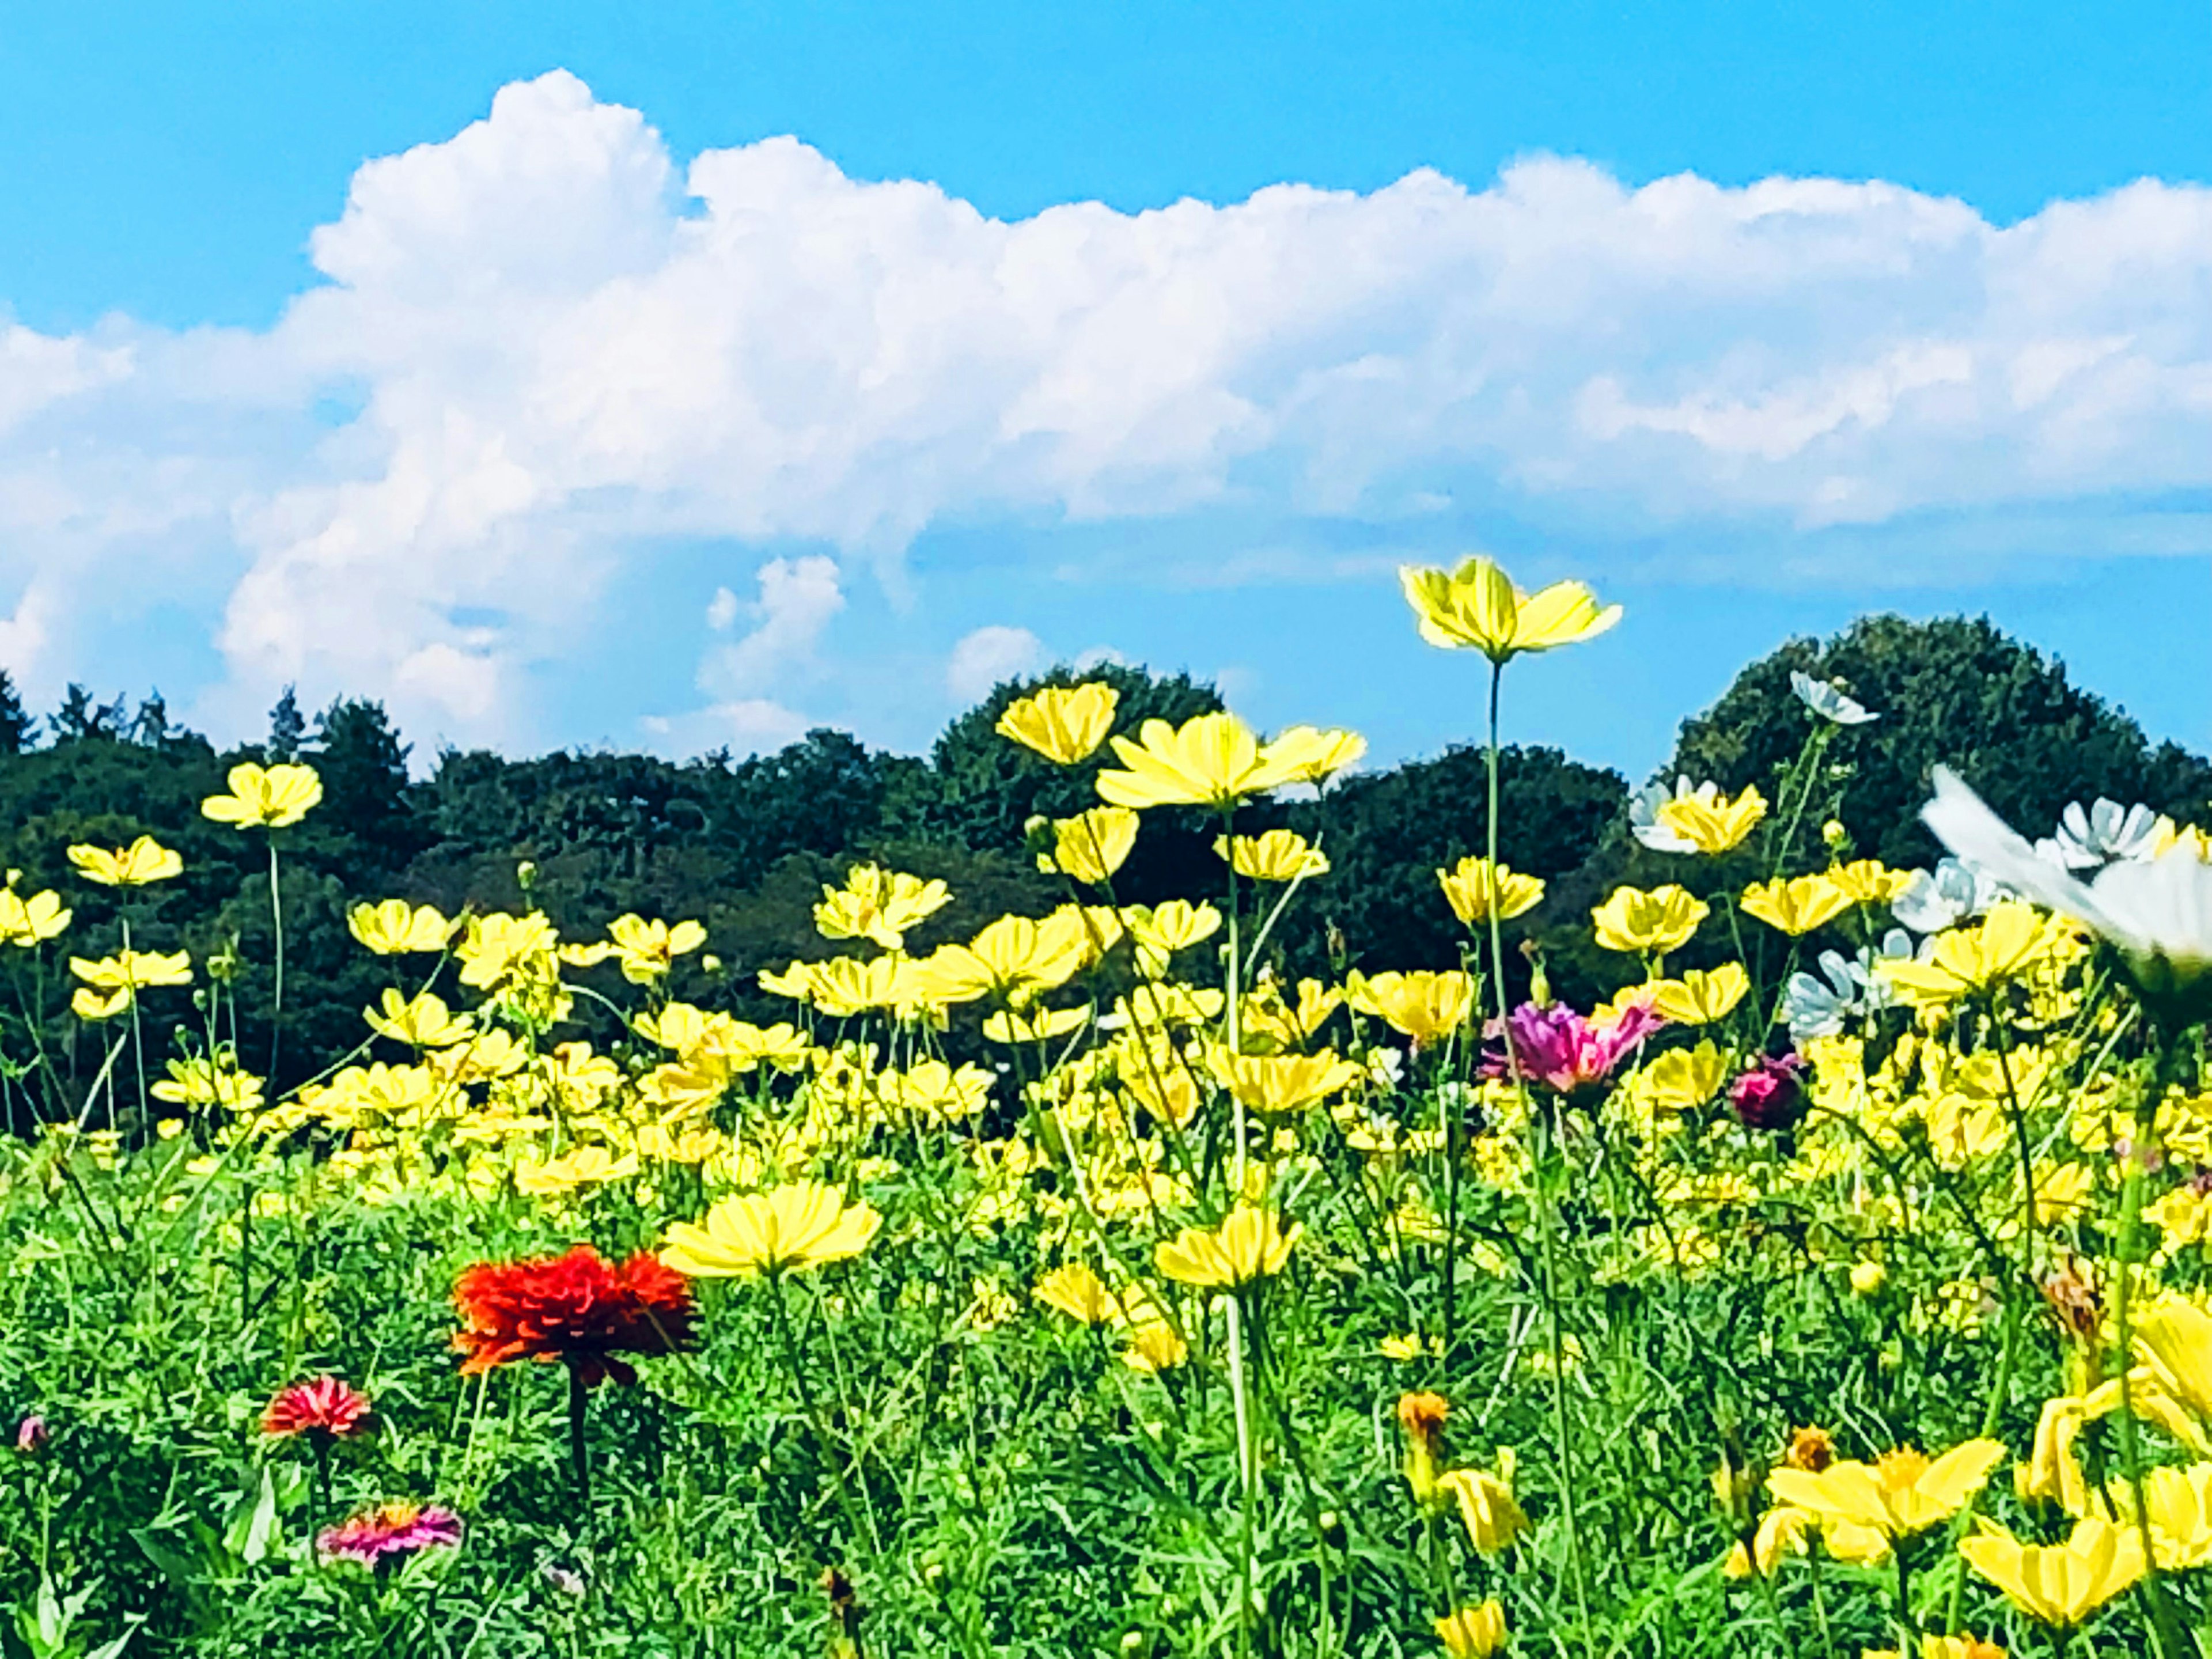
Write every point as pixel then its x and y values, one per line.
pixel 563 348
pixel 992 653
pixel 721 611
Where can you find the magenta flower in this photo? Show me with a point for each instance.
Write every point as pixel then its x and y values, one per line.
pixel 1557 1049
pixel 390 1531
pixel 1771 1095
pixel 32 1435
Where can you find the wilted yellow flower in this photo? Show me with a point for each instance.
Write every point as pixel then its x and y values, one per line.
pixel 1079 1293
pixel 1478 606
pixel 1716 823
pixel 397 928
pixel 1698 998
pixel 1782 1532
pixel 266 798
pixel 1278 855
pixel 649 949
pixel 1473 1632
pixel 144 860
pixel 801 1224
pixel 1899 1494
pixel 423 1023
pixel 28 921
pixel 1795 906
pixel 1485 1502
pixel 1249 1245
pixel 1065 724
pixel 1210 760
pixel 1424 1006
pixel 1658 922
pixel 1092 845
pixel 1474 887
pixel 2059 1584
pixel 2010 939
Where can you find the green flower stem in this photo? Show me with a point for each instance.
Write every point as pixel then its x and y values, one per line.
pixel 580 1462
pixel 277 992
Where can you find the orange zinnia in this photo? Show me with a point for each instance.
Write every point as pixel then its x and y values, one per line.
pixel 577 1308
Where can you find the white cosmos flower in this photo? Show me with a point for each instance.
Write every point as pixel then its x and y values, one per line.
pixel 2104 832
pixel 2159 913
pixel 1647 827
pixel 1829 703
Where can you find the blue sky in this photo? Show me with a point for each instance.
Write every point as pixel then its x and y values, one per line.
pixel 587 425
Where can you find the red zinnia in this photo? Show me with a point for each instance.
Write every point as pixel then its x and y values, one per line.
pixel 391 1529
pixel 576 1308
pixel 324 1405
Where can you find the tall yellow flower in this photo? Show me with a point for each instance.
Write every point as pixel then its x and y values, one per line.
pixel 2173 1336
pixel 266 798
pixel 144 860
pixel 1282 1083
pixel 1869 881
pixel 1079 1293
pixel 1312 755
pixel 2010 939
pixel 802 1223
pixel 1899 1494
pixel 2059 1584
pixel 648 950
pixel 1092 845
pixel 1798 905
pixel 1424 1006
pixel 2179 1501
pixel 1248 1246
pixel 1658 922
pixel 1477 606
pixel 1473 1632
pixel 25 922
pixel 1210 760
pixel 1065 724
pixel 1278 855
pixel 396 928
pixel 1714 824
pixel 112 982
pixel 1699 998
pixel 1474 888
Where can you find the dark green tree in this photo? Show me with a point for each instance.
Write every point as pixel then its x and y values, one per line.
pixel 287 730
pixel 19 729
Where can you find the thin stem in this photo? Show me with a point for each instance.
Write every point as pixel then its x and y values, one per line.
pixel 579 1462
pixel 276 998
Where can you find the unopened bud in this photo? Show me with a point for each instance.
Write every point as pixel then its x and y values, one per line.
pixel 1867 1278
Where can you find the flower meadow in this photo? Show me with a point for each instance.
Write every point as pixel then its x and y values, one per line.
pixel 1091 1283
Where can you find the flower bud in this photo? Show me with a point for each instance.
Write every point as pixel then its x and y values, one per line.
pixel 1867 1278
pixel 1770 1096
pixel 1422 1417
pixel 32 1436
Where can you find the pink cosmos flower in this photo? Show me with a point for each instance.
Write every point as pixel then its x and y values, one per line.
pixel 391 1531
pixel 1557 1049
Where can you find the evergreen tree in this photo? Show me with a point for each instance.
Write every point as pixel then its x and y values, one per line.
pixel 19 729
pixel 287 730
pixel 364 765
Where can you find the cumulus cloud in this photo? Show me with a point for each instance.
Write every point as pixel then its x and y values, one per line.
pixel 987 656
pixel 549 346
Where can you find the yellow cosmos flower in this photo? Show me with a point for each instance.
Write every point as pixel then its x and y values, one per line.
pixel 1065 724
pixel 1210 760
pixel 111 982
pixel 1314 754
pixel 1869 881
pixel 1714 824
pixel 1477 606
pixel 2011 938
pixel 203 1082
pixel 1658 922
pixel 1475 888
pixel 1473 1632
pixel 1485 1502
pixel 801 1224
pixel 1079 1293
pixel 2179 1503
pixel 587 1166
pixel 396 928
pixel 1160 932
pixel 648 950
pixel 266 798
pixel 143 861
pixel 1899 1494
pixel 1278 855
pixel 1248 1246
pixel 2174 1335
pixel 1424 1006
pixel 1798 905
pixel 423 1023
pixel 1016 957
pixel 1944 1647
pixel 1092 845
pixel 1683 1079
pixel 1698 998
pixel 1282 1083
pixel 2059 1584
pixel 26 923
pixel 1034 1024
pixel 878 905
